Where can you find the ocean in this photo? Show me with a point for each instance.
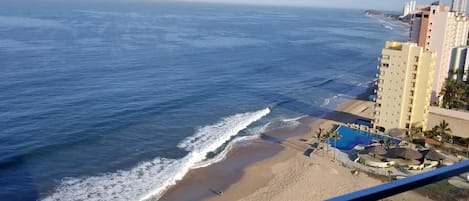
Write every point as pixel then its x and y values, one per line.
pixel 115 101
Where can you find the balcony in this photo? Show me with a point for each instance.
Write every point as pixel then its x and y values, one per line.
pixel 409 183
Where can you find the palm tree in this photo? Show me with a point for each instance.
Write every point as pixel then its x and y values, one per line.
pixel 454 93
pixel 319 132
pixel 324 141
pixel 444 130
pixel 432 133
pixel 334 135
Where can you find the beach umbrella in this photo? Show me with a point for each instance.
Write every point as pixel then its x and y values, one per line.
pixel 375 150
pixel 405 153
pixel 433 155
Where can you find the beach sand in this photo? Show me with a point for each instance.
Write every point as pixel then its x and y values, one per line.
pixel 278 168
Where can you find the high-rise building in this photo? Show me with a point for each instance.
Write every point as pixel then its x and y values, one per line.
pixel 459 68
pixel 403 87
pixel 408 9
pixel 412 6
pixel 459 6
pixel 405 10
pixel 437 29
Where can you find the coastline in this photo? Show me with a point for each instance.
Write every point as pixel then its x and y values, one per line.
pixel 244 168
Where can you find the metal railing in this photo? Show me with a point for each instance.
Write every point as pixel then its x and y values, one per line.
pixel 405 184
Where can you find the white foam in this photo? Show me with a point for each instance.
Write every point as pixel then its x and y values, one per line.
pixel 295 118
pixel 254 133
pixel 328 101
pixel 149 179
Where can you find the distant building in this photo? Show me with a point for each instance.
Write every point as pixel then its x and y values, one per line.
pixel 405 10
pixel 403 86
pixel 459 67
pixel 437 29
pixel 409 8
pixel 459 6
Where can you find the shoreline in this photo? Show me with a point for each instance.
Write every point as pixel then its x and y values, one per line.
pixel 271 148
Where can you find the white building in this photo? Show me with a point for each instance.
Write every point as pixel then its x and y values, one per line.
pixel 459 67
pixel 459 6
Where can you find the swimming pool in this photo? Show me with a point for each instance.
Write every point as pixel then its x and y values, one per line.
pixel 350 137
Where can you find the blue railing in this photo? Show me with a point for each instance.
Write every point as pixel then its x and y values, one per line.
pixel 405 184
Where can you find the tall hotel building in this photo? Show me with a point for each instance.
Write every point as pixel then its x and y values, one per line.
pixel 404 86
pixel 439 29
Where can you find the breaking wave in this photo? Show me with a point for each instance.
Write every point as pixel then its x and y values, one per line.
pixel 149 179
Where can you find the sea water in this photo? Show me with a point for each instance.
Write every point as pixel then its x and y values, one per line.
pixel 116 101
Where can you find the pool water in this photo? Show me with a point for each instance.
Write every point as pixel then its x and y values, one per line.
pixel 349 138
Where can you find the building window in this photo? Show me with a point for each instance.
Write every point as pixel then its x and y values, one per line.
pixel 385 56
pixel 413 84
pixel 410 109
pixel 411 92
pixel 408 118
pixel 416 67
pixel 414 76
pixel 425 16
pixel 385 65
pixel 416 58
pixel 411 101
pixel 407 125
pixel 433 11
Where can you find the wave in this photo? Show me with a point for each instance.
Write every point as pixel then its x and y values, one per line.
pixel 327 101
pixel 325 82
pixel 149 179
pixel 255 133
pixel 294 119
pixel 388 27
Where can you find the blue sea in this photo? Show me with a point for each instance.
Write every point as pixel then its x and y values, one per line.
pixel 115 101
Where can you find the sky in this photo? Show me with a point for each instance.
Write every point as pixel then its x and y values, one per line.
pixel 385 5
pixel 392 5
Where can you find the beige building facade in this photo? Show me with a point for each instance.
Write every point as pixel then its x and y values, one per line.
pixel 404 86
pixel 438 29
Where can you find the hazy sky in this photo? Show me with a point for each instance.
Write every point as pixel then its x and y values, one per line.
pixel 364 4
pixel 389 5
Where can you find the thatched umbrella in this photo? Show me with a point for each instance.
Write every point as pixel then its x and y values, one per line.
pixel 433 155
pixel 375 150
pixel 405 153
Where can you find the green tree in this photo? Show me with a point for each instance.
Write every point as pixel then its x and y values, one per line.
pixel 334 135
pixel 319 132
pixel 455 94
pixel 443 130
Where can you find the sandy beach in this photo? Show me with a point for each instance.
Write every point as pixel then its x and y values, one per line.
pixel 282 171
